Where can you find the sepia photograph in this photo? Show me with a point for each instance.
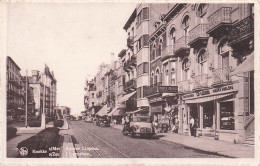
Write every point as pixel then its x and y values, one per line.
pixel 136 80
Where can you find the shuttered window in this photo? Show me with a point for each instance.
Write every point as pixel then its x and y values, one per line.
pixel 145 13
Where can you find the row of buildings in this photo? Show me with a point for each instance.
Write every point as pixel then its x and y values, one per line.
pixel 184 60
pixel 41 91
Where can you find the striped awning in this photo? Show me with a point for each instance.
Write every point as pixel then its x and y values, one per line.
pixel 206 99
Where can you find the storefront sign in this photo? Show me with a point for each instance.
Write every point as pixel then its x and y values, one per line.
pixel 208 92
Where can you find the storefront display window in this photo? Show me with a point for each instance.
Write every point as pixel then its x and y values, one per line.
pixel 227 116
pixel 208 115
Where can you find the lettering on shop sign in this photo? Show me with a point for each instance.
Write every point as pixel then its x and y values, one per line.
pixel 226 88
pixel 208 92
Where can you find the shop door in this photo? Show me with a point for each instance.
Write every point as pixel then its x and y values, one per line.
pixel 208 112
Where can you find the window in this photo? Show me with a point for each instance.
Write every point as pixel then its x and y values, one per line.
pixel 142 15
pixel 139 92
pixel 153 52
pixel 227 116
pixel 173 35
pixel 185 69
pixel 202 62
pixel 160 47
pixel 142 41
pixel 185 24
pixel 93 104
pixel 223 51
pixel 142 68
pixel 251 93
pixel 202 9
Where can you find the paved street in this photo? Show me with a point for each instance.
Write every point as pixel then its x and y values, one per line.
pixel 107 142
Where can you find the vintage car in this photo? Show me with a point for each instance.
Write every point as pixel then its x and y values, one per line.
pixel 88 119
pixel 103 121
pixel 139 125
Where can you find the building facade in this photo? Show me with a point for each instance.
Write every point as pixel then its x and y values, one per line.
pixel 15 102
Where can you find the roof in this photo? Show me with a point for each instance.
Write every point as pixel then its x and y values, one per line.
pixel 130 20
pixel 9 58
pixel 122 53
pixel 176 8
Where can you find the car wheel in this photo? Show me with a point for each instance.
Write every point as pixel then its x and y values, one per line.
pixel 132 135
pixel 124 132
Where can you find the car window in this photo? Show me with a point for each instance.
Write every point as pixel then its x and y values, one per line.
pixel 141 119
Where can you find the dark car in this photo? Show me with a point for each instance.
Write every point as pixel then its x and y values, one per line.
pixel 103 120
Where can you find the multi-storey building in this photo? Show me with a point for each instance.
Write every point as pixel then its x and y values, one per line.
pixel 30 95
pixel 91 94
pixel 15 103
pixel 44 90
pixel 207 51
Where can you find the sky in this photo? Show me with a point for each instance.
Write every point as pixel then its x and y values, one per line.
pixel 71 38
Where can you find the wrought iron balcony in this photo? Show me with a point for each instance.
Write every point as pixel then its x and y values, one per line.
pixel 130 63
pixel 198 35
pixel 130 42
pixel 219 20
pixel 242 30
pixel 200 81
pixel 221 75
pixel 184 86
pixel 159 89
pixel 130 85
pixel 180 46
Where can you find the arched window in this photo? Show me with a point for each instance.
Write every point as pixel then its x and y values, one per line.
pixel 153 52
pixel 223 51
pixel 202 9
pixel 173 35
pixel 185 68
pixel 185 24
pixel 202 58
pixel 156 77
pixel 160 47
pixel 151 79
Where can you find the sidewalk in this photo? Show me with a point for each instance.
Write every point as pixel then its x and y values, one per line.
pixel 209 145
pixel 12 150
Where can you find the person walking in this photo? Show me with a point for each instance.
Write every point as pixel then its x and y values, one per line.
pixel 192 126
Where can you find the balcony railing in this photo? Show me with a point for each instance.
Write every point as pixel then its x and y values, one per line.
pixel 218 18
pixel 184 86
pixel 130 42
pixel 167 52
pixel 181 44
pixel 130 85
pixel 242 30
pixel 130 63
pixel 198 33
pixel 159 89
pixel 200 81
pixel 221 75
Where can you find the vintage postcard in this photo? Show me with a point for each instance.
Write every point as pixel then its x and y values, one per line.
pixel 174 82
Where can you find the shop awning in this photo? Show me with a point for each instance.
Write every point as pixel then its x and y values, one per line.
pixel 117 108
pixel 119 111
pixel 168 94
pixel 126 97
pixel 206 99
pixel 247 65
pixel 102 111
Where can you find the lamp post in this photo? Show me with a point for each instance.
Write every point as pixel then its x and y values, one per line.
pixel 26 100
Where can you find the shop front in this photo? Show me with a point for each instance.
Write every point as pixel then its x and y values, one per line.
pixel 213 111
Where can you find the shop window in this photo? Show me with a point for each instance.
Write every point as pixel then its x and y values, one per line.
pixel 227 116
pixel 208 114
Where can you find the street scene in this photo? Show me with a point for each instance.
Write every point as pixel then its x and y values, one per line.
pixel 161 80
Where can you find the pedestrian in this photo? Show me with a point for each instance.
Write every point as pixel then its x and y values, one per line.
pixel 123 120
pixel 114 121
pixel 192 126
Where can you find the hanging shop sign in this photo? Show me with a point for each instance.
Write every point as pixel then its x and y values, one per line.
pixel 209 92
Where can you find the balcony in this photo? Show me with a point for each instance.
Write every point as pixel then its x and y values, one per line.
pixel 158 89
pixel 130 63
pixel 130 85
pixel 184 86
pixel 221 76
pixel 220 21
pixel 180 46
pixel 242 30
pixel 130 42
pixel 167 52
pixel 200 81
pixel 198 35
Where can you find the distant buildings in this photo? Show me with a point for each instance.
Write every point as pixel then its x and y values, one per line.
pixel 41 91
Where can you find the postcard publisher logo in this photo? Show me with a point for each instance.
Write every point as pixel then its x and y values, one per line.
pixel 23 151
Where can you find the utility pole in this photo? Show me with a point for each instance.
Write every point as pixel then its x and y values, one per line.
pixel 26 100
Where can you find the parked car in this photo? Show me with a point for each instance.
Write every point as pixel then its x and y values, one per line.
pixel 139 125
pixel 88 119
pixel 103 121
